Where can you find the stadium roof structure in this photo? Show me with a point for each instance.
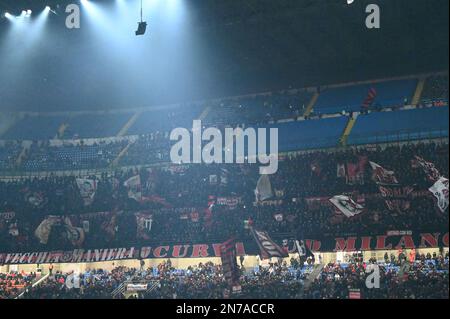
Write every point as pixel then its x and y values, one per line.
pixel 263 45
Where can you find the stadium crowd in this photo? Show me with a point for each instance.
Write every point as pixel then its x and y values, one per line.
pixel 12 283
pixel 423 277
pixel 205 203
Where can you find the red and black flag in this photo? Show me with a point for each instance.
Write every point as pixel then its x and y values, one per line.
pixel 368 101
pixel 229 263
pixel 268 248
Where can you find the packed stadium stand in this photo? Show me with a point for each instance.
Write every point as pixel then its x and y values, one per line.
pixel 427 278
pixel 41 157
pixel 9 153
pixel 109 174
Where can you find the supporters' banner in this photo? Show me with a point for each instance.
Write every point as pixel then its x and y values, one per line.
pixel 346 205
pixel 397 197
pixel 429 169
pixel 63 228
pixel 13 230
pixel 440 191
pixel 355 171
pixel 302 250
pixel 316 169
pixel 72 256
pixel 229 264
pixel 109 226
pixel 144 221
pixel 381 175
pixel 340 171
pixel 278 217
pixel 137 287
pixel 274 202
pixel 87 188
pixel 36 199
pixel 187 250
pixel 230 202
pixel 263 189
pixel 7 216
pixel 133 184
pixel 195 217
pixel 75 235
pixel 224 177
pixel 42 232
pixel 213 180
pixel 176 169
pixel 267 247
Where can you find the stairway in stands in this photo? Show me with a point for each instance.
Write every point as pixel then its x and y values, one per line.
pixel 122 153
pixel 418 93
pixel 348 129
pixel 205 113
pixel 124 130
pixel 311 104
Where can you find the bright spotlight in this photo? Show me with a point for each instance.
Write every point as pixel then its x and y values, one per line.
pixel 8 15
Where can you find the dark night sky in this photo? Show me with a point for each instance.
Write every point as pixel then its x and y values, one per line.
pixel 204 49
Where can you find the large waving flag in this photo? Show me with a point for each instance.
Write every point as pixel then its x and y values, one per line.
pixel 87 188
pixel 346 205
pixel 267 247
pixel 440 191
pixel 263 189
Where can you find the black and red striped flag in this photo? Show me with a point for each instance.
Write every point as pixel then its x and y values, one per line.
pixel 371 95
pixel 229 263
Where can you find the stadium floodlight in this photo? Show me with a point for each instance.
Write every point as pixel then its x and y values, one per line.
pixel 142 26
pixel 28 13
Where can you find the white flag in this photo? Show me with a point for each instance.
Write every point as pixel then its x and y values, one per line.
pixel 440 191
pixel 134 188
pixel 87 188
pixel 263 189
pixel 346 205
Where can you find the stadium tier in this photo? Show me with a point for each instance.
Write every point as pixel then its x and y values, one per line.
pixel 122 190
pixel 428 279
pixel 165 119
pixel 218 149
pixel 86 126
pixel 350 98
pixel 34 127
pixel 405 125
pixel 380 121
